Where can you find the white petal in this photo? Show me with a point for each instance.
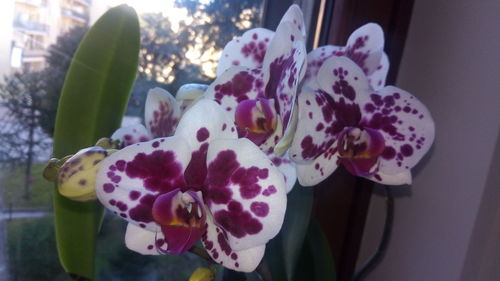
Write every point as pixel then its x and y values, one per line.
pixel 406 125
pixel 287 167
pixel 314 172
pixel 162 113
pixel 295 16
pixel 315 60
pixel 204 122
pixel 365 47
pixel 129 180
pixel 142 241
pixel 248 50
pixel 131 134
pixel 377 78
pixel 236 85
pixel 315 131
pixel 217 246
pixel 284 62
pixel 395 179
pixel 246 193
pixel 188 93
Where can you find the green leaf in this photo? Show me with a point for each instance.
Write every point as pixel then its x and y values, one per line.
pixel 282 252
pixel 316 260
pixel 92 103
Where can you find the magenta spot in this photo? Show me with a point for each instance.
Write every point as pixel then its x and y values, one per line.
pixel 150 247
pixel 108 187
pixel 237 221
pixel 159 171
pixel 224 246
pixel 82 182
pixel 120 165
pixel 237 87
pixel 134 195
pixel 196 170
pixel 406 150
pixel 260 209
pixel 389 153
pixel 202 134
pixel 218 175
pixel 369 107
pixel 247 180
pixel 155 144
pixel 142 212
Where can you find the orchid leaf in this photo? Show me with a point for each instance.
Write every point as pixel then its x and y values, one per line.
pixel 92 103
pixel 316 260
pixel 284 250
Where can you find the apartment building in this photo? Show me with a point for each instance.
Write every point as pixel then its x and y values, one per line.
pixel 30 26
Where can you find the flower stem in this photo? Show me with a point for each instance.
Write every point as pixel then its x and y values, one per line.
pixel 201 253
pixel 264 271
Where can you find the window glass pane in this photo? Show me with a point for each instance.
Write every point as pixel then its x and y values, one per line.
pixel 181 42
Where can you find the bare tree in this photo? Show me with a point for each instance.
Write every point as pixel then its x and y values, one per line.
pixel 22 139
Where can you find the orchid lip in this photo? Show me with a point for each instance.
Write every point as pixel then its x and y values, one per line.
pixel 257 116
pixel 182 218
pixel 359 150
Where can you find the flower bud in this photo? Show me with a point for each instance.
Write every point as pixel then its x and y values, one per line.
pixel 76 179
pixel 202 274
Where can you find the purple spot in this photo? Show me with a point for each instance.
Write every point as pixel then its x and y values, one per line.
pixel 260 209
pixel 108 187
pixel 237 221
pixel 159 171
pixel 134 195
pixel 389 153
pixel 406 150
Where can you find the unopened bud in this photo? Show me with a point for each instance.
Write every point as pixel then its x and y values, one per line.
pixel 76 179
pixel 202 274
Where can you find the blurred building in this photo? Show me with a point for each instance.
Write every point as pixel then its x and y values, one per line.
pixel 30 26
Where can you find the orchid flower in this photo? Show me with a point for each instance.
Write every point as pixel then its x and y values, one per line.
pixel 162 114
pixel 379 135
pixel 258 75
pixel 365 47
pixel 201 183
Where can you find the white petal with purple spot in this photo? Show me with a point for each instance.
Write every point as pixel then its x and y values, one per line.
pixel 131 135
pixel 217 246
pixel 143 241
pixel 204 122
pixel 287 168
pixel 316 127
pixel 129 180
pixel 294 15
pixel 377 78
pixel 365 47
pixel 248 50
pixel 406 125
pixel 162 113
pixel 246 193
pixel 313 172
pixel 236 85
pixel 395 179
